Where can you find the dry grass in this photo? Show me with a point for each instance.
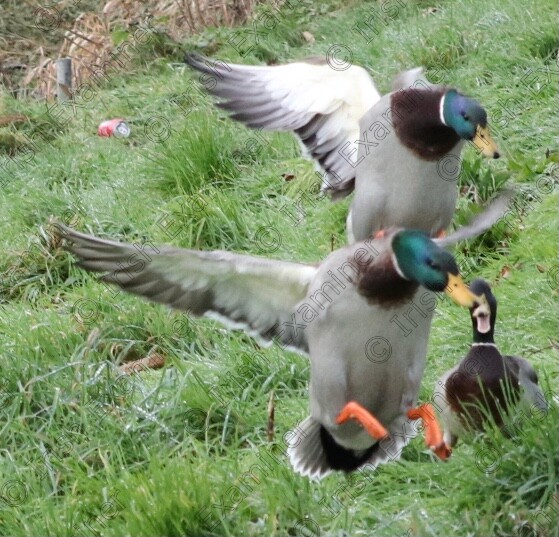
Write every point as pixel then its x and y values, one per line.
pixel 92 36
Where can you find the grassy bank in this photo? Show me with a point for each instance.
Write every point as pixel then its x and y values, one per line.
pixel 184 450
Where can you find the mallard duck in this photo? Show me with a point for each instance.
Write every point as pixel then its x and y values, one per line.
pixel 400 152
pixel 485 382
pixel 346 313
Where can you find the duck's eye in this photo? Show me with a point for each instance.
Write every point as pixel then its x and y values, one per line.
pixel 433 264
pixel 465 116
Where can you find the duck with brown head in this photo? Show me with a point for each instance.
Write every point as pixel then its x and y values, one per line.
pixel 485 383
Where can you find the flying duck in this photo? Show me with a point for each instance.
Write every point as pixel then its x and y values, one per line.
pixel 348 313
pixel 401 152
pixel 484 382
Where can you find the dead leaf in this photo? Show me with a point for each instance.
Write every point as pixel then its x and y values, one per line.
pixel 92 338
pixel 505 272
pixel 12 118
pixel 308 37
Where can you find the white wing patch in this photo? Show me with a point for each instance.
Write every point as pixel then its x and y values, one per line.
pixel 320 105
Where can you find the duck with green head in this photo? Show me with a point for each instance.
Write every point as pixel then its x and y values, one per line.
pixel 400 153
pixel 485 383
pixel 468 119
pixel 409 170
pixel 346 313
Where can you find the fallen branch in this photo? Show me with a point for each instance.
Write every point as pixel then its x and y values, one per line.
pixel 153 361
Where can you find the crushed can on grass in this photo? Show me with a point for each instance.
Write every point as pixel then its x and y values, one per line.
pixel 114 127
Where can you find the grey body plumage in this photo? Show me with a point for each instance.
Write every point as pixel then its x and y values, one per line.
pixel 396 152
pixel 344 313
pixel 323 310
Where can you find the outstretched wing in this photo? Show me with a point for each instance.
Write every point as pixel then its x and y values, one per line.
pixel 321 105
pixel 481 222
pixel 247 292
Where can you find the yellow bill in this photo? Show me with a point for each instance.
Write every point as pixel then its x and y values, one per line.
pixel 483 141
pixel 460 293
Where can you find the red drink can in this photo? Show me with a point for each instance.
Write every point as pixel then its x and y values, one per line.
pixel 114 127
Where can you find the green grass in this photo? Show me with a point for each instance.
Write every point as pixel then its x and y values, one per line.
pixel 184 450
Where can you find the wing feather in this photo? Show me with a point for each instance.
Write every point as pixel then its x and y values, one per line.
pixel 257 294
pixel 320 105
pixel 480 223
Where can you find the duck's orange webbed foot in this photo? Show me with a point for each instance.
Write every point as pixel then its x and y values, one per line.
pixel 433 432
pixel 354 411
pixel 380 234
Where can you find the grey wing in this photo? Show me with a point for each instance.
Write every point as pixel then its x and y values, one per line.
pixel 256 294
pixel 482 221
pixel 528 380
pixel 412 78
pixel 320 105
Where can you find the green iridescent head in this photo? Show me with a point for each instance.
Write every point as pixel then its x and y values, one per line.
pixel 419 259
pixel 469 120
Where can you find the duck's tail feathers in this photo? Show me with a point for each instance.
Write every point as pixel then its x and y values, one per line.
pixel 306 452
pixel 402 430
pixel 314 453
